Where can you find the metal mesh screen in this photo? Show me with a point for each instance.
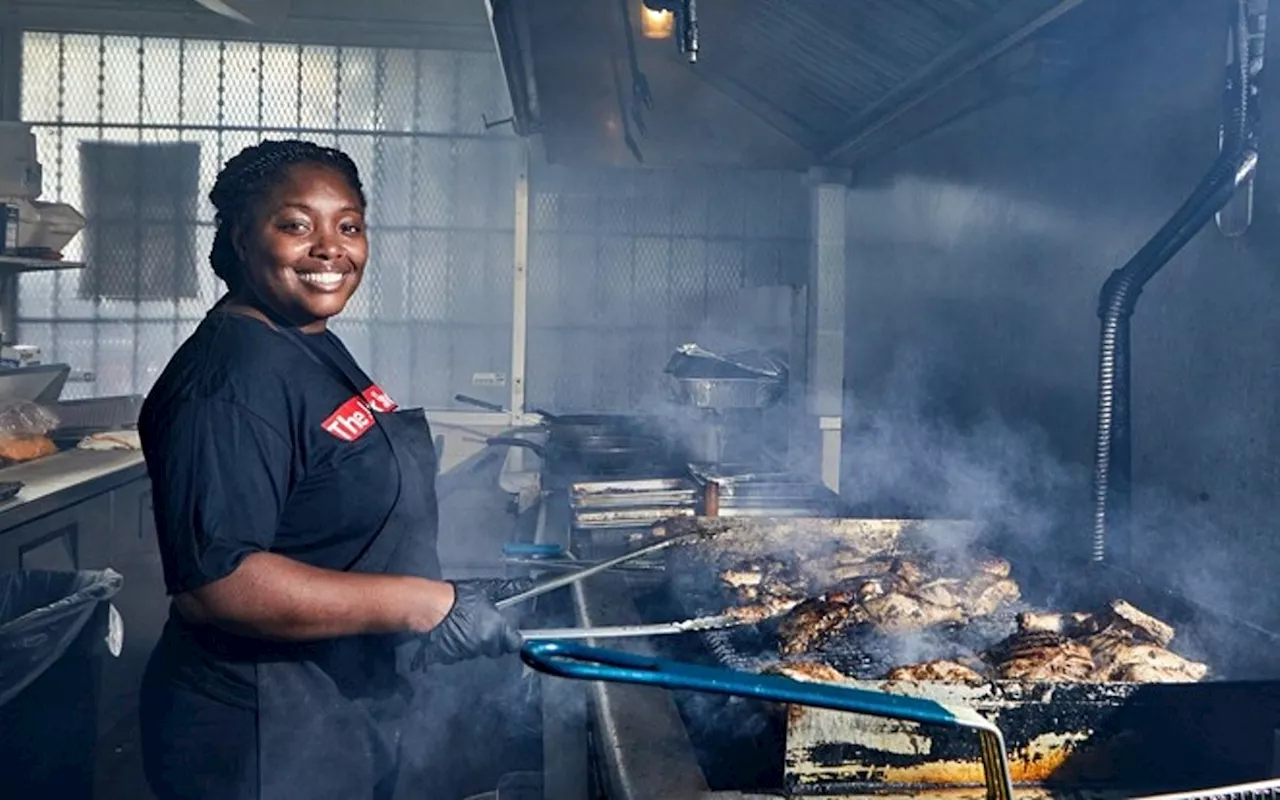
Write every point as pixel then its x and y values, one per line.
pixel 435 307
pixel 626 264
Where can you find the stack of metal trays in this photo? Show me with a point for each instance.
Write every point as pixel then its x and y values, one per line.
pixel 768 494
pixel 631 504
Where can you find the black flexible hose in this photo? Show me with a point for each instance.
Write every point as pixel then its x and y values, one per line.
pixel 1119 295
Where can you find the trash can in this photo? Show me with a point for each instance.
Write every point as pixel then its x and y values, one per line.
pixel 53 636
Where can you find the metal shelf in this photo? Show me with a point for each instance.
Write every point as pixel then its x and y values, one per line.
pixel 19 264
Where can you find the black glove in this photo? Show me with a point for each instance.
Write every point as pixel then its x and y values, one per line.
pixel 473 628
pixel 498 588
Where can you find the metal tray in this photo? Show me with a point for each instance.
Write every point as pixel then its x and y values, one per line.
pixel 588 489
pixel 645 497
pixel 626 518
pixel 637 500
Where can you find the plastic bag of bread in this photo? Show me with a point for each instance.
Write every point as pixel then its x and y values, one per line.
pixel 24 432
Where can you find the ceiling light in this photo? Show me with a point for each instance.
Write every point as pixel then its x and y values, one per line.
pixel 656 24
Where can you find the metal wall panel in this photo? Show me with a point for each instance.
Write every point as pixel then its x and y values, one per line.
pixel 626 264
pixel 435 307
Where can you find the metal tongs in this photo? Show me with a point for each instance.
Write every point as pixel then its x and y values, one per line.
pixel 554 558
pixel 568 660
pixel 718 622
pixel 596 569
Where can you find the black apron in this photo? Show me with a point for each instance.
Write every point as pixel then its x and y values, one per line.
pixel 334 716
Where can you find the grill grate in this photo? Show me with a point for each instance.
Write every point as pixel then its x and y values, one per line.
pixel 862 653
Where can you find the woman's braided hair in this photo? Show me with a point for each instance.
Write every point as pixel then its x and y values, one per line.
pixel 251 175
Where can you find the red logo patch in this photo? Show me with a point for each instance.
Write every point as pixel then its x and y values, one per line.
pixel 355 417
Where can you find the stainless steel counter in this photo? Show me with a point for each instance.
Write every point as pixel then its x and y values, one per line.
pixel 66 478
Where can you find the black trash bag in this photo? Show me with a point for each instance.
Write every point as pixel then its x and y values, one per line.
pixel 41 614
pixel 53 630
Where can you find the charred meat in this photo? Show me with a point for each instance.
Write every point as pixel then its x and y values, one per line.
pixel 1123 643
pixel 768 607
pixel 742 578
pixel 1132 647
pixel 995 566
pixel 937 672
pixel 812 671
pixel 760 581
pixel 895 595
pixel 845 566
pixel 945 592
pixel 812 622
pixel 1073 624
pixel 1041 657
pixel 1143 626
pixel 1148 663
pixel 987 593
pixel 956 599
pixel 899 613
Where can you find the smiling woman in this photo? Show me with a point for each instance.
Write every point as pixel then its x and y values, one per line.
pixel 291 233
pixel 296 516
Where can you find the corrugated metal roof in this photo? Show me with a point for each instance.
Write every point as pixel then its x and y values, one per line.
pixel 811 66
pixel 792 83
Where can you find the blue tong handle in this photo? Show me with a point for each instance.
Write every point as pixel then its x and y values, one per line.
pixel 573 660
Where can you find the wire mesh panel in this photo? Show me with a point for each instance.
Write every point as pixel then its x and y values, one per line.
pixel 626 264
pixel 435 308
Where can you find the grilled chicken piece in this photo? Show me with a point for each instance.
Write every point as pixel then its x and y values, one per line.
pixel 846 557
pixel 811 671
pixel 986 593
pixel 1074 624
pixel 848 572
pixel 769 607
pixel 1144 626
pixel 936 672
pixel 995 566
pixel 1106 645
pixel 815 620
pixel 851 566
pixel 752 581
pixel 945 592
pixel 1047 657
pixel 1132 649
pixel 1127 627
pixel 908 571
pixel 899 613
pixel 1147 663
pixel 741 578
pixel 864 589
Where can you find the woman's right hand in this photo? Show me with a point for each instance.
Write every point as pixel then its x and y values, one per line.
pixel 473 628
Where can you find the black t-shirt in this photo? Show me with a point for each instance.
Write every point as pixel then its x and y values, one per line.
pixel 254 446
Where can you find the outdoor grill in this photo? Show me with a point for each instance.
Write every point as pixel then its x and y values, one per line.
pixel 1064 739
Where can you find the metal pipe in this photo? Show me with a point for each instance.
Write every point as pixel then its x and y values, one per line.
pixel 711 499
pixel 1112 473
pixel 520 295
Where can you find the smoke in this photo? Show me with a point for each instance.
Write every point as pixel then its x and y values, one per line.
pixel 474 722
pixel 909 451
pixel 906 455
